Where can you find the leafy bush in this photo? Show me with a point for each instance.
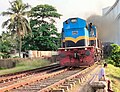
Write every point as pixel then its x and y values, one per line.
pixel 115 55
pixel 16 57
pixel 109 61
pixel 5 55
pixel 2 68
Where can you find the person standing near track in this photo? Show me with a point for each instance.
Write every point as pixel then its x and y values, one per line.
pixel 102 77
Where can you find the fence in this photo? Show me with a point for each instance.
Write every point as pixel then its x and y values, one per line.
pixel 35 53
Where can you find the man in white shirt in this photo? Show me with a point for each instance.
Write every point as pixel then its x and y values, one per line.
pixel 101 77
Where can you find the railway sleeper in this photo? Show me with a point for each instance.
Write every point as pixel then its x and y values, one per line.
pixel 66 88
pixel 31 88
pixel 78 80
pixel 68 85
pixel 74 81
pixel 57 90
pixel 25 90
pixel 82 78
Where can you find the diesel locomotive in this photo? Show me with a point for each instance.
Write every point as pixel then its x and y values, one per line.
pixel 80 45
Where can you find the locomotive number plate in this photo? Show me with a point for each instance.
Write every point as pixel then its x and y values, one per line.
pixel 74 32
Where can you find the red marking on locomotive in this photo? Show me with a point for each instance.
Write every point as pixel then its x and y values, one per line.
pixel 77 56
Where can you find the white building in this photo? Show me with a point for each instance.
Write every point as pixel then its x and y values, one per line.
pixel 111 24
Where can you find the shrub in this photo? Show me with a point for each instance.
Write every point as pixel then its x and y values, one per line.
pixel 16 57
pixel 5 55
pixel 109 61
pixel 115 55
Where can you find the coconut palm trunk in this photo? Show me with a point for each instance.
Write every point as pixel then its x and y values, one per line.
pixel 20 45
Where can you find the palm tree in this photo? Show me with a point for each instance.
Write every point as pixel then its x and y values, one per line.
pixel 17 23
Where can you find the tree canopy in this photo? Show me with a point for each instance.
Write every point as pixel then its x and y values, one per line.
pixel 42 22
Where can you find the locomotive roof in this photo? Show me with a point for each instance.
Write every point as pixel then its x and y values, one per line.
pixel 74 22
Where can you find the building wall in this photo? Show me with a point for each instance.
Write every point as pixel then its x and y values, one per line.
pixel 111 18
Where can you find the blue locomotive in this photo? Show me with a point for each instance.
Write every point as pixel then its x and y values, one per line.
pixel 79 43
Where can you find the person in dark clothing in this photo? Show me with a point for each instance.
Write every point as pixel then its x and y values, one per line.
pixel 91 30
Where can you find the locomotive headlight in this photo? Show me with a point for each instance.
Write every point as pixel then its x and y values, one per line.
pixel 87 53
pixel 85 48
pixel 65 50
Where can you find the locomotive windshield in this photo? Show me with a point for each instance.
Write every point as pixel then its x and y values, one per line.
pixel 74 20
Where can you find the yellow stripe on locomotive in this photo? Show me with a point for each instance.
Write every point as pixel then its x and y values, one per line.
pixel 75 40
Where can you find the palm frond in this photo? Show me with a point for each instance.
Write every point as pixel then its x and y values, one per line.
pixel 5 23
pixel 25 13
pixel 13 18
pixel 27 25
pixel 11 27
pixel 6 13
pixel 13 7
pixel 25 6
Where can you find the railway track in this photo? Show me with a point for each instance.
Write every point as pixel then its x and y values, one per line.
pixel 40 85
pixel 10 79
pixel 52 80
pixel 48 80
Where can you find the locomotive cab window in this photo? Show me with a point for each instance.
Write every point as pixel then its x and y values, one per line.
pixel 74 20
pixel 66 21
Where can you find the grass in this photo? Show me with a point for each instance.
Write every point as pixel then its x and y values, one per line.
pixel 113 73
pixel 25 65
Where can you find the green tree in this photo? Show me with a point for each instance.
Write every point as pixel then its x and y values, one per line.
pixel 17 23
pixel 7 43
pixel 42 21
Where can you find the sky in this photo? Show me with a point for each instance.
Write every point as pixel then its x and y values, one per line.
pixel 68 8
